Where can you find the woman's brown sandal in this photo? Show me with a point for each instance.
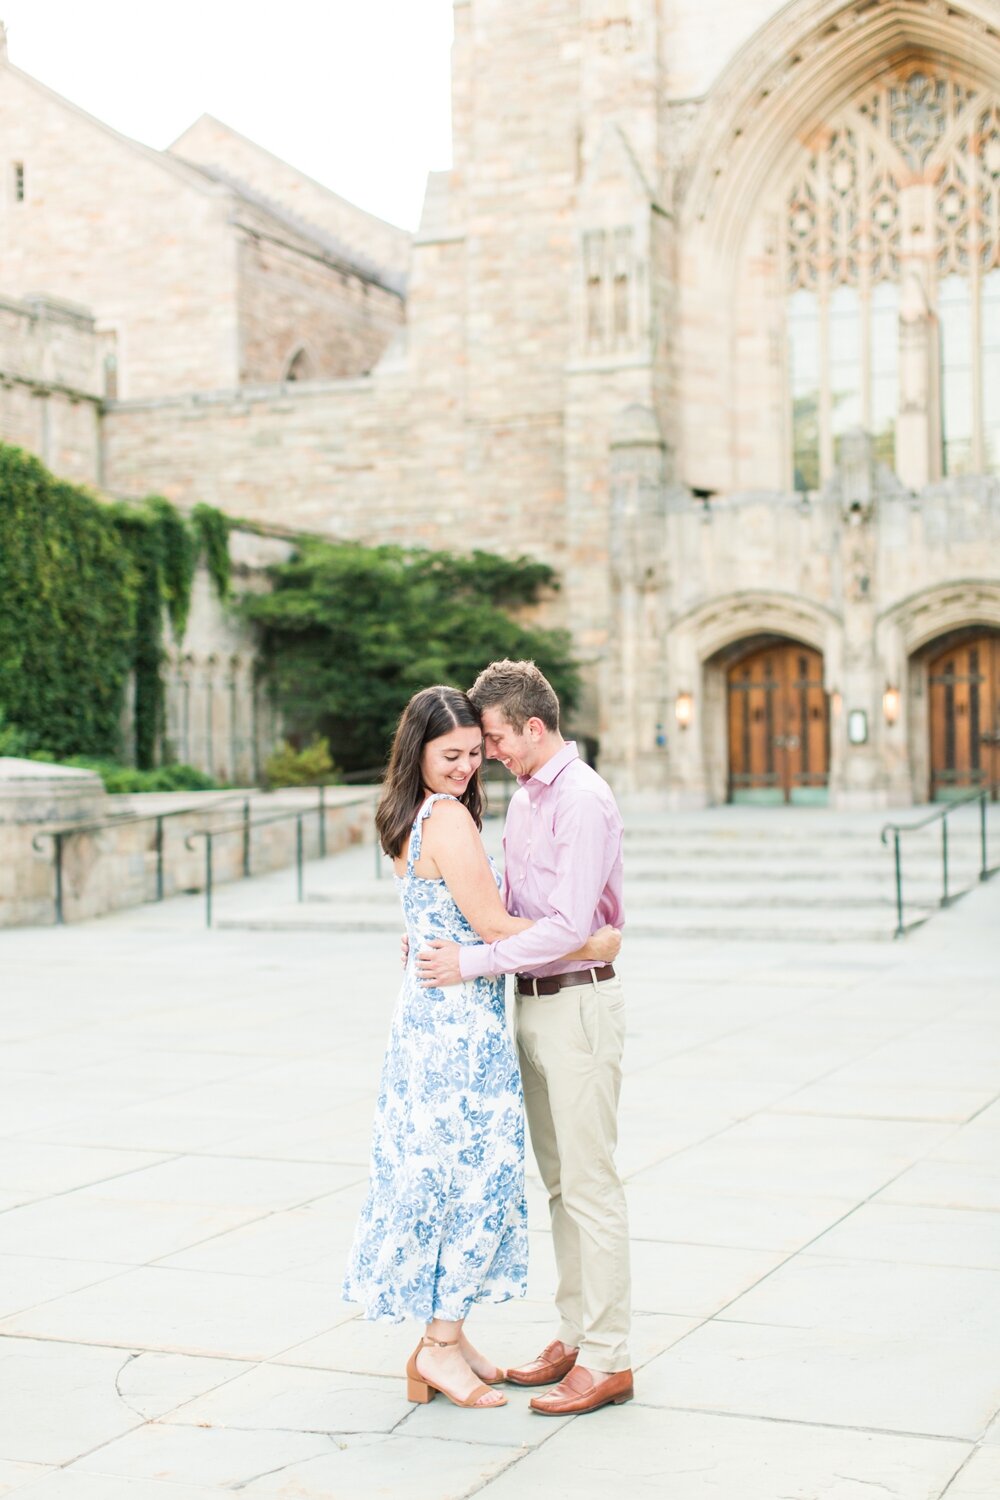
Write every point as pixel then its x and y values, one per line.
pixel 422 1390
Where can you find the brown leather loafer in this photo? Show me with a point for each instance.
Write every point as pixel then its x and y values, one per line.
pixel 584 1390
pixel 555 1361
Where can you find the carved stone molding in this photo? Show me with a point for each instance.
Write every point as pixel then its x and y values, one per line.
pixel 923 617
pixel 721 622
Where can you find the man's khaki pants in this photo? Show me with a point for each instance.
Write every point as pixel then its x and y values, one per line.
pixel 571 1045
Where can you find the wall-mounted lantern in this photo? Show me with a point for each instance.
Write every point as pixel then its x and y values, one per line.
pixel 684 709
pixel 857 726
pixel 891 700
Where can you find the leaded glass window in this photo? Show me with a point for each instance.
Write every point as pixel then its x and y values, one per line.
pixel 903 182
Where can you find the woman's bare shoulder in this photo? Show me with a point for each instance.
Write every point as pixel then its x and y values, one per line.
pixel 450 818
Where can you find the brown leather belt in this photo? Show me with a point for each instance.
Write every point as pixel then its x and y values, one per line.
pixel 551 984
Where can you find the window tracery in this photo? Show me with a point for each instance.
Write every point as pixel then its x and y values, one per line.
pixel 919 144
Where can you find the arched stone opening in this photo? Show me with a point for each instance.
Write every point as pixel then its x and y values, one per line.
pixel 300 365
pixel 776 713
pixel 912 638
pixel 706 644
pixel 957 725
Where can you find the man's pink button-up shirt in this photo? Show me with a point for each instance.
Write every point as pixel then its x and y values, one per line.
pixel 563 870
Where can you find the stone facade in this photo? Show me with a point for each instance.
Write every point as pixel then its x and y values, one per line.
pixel 297 323
pixel 702 314
pixel 51 382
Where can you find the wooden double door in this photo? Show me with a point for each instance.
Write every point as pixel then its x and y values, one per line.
pixel 964 684
pixel 779 726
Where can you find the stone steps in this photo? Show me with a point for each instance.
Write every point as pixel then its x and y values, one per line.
pixel 805 924
pixel 725 875
pixel 686 888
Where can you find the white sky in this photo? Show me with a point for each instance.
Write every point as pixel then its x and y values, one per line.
pixel 354 92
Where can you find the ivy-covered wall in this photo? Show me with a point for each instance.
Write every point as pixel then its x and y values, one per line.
pixel 85 591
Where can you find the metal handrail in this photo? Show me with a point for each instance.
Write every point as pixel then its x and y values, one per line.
pixel 983 795
pixel 128 820
pixel 210 834
pixel 124 820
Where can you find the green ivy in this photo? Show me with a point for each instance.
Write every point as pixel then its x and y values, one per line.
pixel 84 587
pixel 68 590
pixel 211 530
pixel 176 547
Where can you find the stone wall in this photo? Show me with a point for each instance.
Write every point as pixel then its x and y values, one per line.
pixel 51 378
pixel 116 867
pixel 294 306
pixel 700 40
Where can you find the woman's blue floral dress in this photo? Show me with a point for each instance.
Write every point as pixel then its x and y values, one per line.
pixel 444 1223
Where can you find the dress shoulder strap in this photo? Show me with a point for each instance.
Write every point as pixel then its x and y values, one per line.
pixel 416 833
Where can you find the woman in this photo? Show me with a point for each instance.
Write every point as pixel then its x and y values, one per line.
pixel 444 1222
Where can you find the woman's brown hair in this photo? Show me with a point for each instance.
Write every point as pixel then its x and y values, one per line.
pixel 429 714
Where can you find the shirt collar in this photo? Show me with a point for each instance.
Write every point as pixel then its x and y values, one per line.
pixel 552 768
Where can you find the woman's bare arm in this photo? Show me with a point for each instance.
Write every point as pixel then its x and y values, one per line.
pixel 451 843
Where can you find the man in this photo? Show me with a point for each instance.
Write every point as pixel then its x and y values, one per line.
pixel 563 856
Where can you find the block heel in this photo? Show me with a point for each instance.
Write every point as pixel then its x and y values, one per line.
pixel 420 1390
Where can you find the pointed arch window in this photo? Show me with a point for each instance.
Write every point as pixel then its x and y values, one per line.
pixel 920 149
pixel 301 365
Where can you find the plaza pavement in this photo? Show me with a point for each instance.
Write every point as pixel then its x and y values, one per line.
pixel 810 1136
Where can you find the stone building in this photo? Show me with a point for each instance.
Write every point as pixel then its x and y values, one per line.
pixel 706 313
pixel 126 274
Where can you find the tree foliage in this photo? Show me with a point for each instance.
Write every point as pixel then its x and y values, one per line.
pixel 351 632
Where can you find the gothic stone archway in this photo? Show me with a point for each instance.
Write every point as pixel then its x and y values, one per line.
pixel 912 636
pixel 963 679
pixel 704 643
pixel 778 723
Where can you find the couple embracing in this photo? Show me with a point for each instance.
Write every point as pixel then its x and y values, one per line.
pixel 444 1224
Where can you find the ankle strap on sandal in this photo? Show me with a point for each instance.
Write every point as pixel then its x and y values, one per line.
pixel 441 1343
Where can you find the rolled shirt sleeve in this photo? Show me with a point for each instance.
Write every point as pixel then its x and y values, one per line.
pixel 582 868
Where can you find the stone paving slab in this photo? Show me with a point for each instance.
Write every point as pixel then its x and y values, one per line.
pixel 698 1455
pixel 811 1137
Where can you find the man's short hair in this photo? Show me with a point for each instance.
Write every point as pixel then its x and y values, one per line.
pixel 519 690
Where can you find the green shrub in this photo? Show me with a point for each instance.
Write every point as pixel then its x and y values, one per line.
pixel 311 766
pixel 119 778
pixel 13 741
pixel 351 632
